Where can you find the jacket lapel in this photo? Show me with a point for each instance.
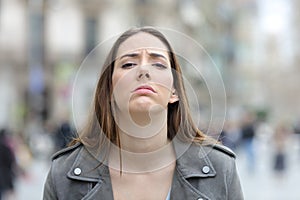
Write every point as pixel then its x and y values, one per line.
pixel 182 189
pixel 87 168
pixel 102 191
pixel 193 163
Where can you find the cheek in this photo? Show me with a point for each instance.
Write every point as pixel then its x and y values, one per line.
pixel 164 80
pixel 121 85
pixel 122 77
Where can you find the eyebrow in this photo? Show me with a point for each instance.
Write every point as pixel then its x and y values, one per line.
pixel 157 55
pixel 131 55
pixel 153 55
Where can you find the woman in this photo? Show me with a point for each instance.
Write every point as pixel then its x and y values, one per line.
pixel 141 142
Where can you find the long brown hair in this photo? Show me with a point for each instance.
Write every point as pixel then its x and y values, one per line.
pixel 102 127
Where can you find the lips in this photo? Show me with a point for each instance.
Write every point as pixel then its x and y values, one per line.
pixel 145 88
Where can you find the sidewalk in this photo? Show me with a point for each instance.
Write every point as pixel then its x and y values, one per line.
pixel 31 185
pixel 263 183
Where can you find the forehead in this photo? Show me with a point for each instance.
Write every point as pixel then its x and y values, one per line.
pixel 141 41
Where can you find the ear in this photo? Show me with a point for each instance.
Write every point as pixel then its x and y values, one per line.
pixel 174 97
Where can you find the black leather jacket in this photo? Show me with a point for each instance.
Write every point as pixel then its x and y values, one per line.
pixel 202 172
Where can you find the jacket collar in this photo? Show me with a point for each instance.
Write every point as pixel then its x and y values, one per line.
pixel 192 161
pixel 87 167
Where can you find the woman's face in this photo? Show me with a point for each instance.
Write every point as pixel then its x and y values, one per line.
pixel 142 77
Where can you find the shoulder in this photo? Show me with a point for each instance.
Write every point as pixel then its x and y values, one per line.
pixel 63 160
pixel 210 149
pixel 66 151
pixel 224 149
pixel 221 157
pixel 218 151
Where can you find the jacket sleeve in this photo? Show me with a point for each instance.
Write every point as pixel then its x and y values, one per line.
pixel 49 188
pixel 234 186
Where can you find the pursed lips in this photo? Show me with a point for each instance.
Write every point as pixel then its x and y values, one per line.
pixel 144 88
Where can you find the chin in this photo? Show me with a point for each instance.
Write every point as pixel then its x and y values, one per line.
pixel 147 108
pixel 140 109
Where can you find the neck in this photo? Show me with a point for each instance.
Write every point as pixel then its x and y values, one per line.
pixel 140 156
pixel 142 132
pixel 143 148
pixel 140 142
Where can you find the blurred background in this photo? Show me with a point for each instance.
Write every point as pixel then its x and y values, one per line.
pixel 254 46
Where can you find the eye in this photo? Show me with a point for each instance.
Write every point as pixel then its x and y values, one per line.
pixel 159 65
pixel 128 65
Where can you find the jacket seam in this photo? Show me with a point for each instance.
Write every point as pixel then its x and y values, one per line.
pixel 80 178
pixel 93 190
pixel 230 175
pixel 53 178
pixel 207 160
pixel 192 188
pixel 64 151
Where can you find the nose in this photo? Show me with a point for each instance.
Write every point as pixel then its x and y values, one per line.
pixel 143 73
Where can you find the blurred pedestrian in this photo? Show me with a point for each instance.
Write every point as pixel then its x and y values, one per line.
pixel 63 135
pixel 7 167
pixel 296 130
pixel 297 127
pixel 248 133
pixel 153 151
pixel 230 136
pixel 281 135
